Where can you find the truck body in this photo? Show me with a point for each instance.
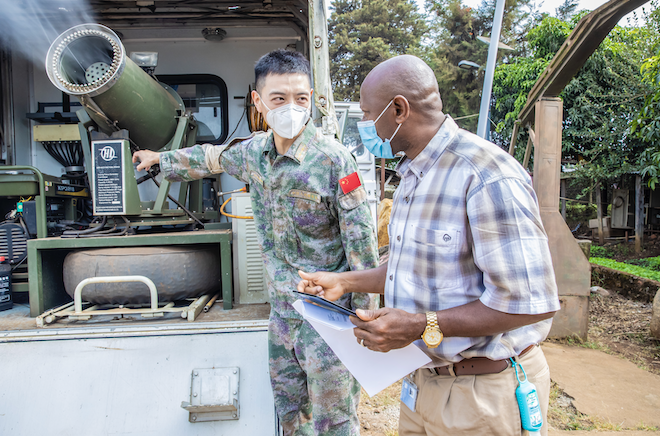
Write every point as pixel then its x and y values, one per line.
pixel 193 368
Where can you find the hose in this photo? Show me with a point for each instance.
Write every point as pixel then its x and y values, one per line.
pixel 91 230
pixel 222 211
pixel 109 232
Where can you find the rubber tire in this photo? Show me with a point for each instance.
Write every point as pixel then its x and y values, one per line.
pixel 178 273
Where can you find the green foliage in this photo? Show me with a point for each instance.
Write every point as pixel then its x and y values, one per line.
pixel 546 38
pixel 453 37
pixel 635 270
pixel 514 79
pixel 456 41
pixel 599 251
pixel 599 106
pixel 567 9
pixel 652 263
pixel 363 33
pixel 646 123
pixel 599 103
pixel 579 214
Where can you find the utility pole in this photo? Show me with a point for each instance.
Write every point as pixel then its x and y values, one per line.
pixel 483 129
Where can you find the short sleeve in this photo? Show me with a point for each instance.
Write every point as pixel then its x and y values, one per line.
pixel 511 248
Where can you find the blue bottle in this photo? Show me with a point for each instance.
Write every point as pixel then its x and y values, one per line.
pixel 528 402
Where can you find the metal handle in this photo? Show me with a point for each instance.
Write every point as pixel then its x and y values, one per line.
pixel 77 295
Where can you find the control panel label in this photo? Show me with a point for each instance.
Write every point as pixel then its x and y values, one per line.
pixel 108 177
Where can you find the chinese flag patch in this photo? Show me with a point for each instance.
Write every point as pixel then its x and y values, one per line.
pixel 350 183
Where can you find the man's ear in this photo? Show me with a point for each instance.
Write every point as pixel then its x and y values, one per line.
pixel 256 99
pixel 402 108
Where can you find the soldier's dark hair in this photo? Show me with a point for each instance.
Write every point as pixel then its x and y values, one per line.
pixel 280 61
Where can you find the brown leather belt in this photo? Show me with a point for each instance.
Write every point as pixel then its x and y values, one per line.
pixel 477 365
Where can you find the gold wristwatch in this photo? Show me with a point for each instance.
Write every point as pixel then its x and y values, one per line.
pixel 432 335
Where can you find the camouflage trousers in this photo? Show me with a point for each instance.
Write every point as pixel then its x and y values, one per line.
pixel 314 392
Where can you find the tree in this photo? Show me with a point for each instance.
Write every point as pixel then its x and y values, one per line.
pixel 646 124
pixel 599 103
pixel 454 32
pixel 567 9
pixel 514 79
pixel 363 33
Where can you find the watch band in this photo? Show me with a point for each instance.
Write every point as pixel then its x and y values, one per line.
pixel 432 320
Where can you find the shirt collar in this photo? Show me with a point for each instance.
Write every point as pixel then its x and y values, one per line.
pixel 298 149
pixel 425 160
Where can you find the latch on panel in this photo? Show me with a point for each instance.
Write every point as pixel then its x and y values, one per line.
pixel 213 395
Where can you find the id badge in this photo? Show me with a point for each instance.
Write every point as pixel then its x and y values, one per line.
pixel 409 393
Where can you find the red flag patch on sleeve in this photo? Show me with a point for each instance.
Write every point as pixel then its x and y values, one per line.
pixel 350 183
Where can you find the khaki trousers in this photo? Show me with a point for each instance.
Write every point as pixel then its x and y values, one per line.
pixel 475 404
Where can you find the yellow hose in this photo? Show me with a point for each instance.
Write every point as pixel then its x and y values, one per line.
pixel 222 211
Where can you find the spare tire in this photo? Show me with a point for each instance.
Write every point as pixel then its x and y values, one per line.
pixel 178 273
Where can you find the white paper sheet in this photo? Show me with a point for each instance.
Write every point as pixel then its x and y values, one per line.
pixel 374 370
pixel 326 317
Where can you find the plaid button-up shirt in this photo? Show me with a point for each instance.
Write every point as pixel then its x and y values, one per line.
pixel 465 225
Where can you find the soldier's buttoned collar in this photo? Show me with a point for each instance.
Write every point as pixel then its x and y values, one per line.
pixel 298 149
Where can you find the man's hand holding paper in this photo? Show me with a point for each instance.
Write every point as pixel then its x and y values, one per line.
pixel 387 328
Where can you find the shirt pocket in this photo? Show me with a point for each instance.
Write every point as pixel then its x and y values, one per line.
pixel 433 258
pixel 314 228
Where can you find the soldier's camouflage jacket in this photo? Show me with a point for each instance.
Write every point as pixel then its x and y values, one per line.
pixel 303 219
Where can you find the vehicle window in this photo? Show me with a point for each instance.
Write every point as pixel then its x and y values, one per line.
pixel 205 96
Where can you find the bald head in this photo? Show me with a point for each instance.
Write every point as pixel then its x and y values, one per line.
pixel 415 113
pixel 404 75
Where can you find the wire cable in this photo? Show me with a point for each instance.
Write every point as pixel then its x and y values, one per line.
pixel 239 122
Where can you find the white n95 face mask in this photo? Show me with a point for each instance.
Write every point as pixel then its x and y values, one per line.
pixel 288 120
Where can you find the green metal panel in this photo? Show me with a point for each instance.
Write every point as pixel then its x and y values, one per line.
pixel 225 270
pixel 130 184
pixel 20 287
pixel 46 258
pixel 177 142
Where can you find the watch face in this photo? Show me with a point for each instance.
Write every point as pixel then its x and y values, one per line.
pixel 432 337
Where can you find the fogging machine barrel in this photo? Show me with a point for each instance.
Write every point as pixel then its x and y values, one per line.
pixel 90 62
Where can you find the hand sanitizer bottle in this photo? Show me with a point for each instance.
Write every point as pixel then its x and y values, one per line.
pixel 528 402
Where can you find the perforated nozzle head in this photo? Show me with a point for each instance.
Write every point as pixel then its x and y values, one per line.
pixel 86 59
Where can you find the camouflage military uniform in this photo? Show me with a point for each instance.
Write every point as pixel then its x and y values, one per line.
pixel 304 222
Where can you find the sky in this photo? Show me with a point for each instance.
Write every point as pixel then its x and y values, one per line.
pixel 551 5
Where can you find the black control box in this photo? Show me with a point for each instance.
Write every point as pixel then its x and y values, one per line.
pixel 6 300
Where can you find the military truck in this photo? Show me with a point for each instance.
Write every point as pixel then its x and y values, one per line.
pixel 186 351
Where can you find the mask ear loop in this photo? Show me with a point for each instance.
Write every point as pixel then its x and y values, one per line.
pixel 262 102
pixel 397 129
pixel 381 114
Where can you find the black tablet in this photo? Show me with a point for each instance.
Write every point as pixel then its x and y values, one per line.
pixel 320 301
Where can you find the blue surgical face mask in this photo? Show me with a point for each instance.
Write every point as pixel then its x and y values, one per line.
pixel 372 141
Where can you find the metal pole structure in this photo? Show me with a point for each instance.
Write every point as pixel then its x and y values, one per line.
pixel 639 213
pixel 482 130
pixel 382 179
